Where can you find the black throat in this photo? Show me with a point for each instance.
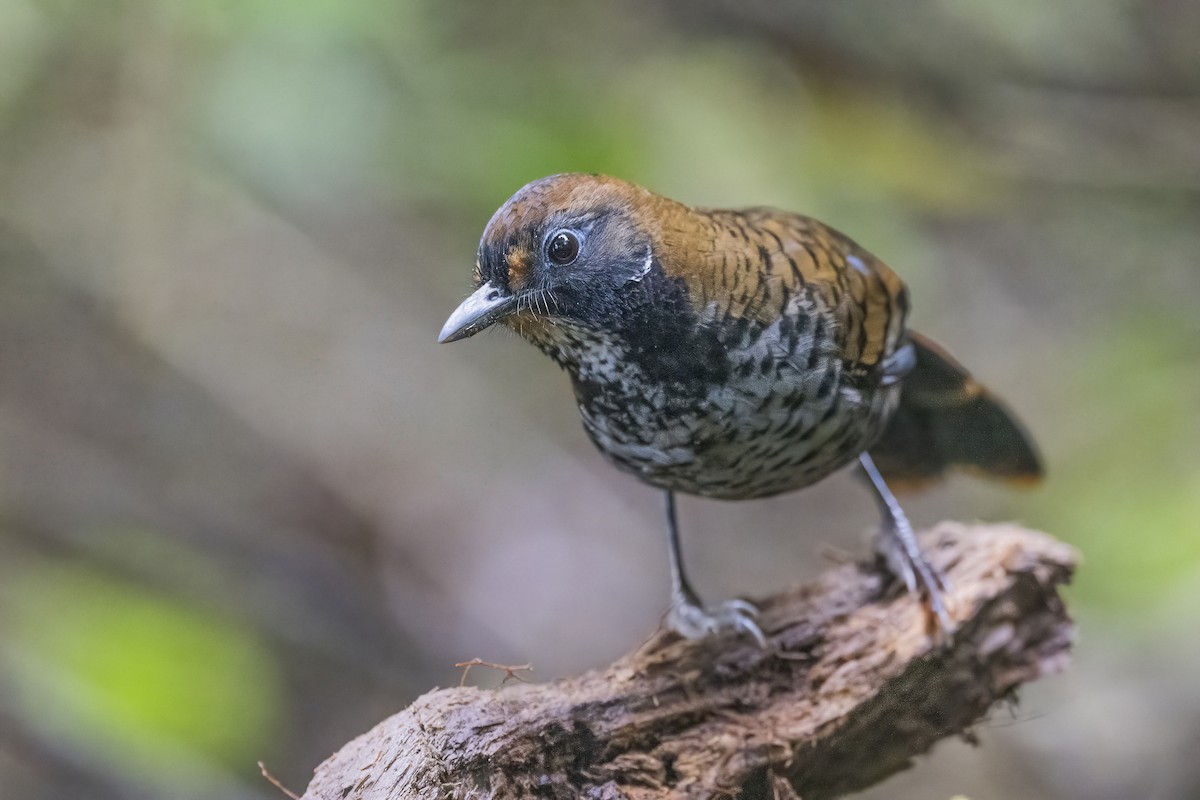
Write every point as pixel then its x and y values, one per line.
pixel 648 328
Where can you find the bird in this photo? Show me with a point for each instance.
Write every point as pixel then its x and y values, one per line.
pixel 736 355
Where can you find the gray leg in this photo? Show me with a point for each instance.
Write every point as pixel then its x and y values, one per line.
pixel 687 616
pixel 898 545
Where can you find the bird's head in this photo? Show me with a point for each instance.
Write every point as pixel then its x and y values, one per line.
pixel 565 250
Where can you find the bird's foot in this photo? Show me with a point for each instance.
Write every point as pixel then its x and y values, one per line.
pixel 897 545
pixel 692 621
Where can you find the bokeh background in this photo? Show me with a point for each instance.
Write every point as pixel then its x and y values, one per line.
pixel 249 507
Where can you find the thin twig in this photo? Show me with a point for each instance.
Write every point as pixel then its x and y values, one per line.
pixel 509 672
pixel 276 783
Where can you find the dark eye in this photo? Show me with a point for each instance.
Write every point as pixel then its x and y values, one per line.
pixel 563 248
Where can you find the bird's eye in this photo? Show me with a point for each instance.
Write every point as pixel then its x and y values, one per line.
pixel 563 248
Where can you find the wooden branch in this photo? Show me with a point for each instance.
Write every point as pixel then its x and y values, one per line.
pixel 855 689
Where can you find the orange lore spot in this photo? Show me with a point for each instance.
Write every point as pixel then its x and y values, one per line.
pixel 519 260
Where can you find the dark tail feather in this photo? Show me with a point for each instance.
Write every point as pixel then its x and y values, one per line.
pixel 946 420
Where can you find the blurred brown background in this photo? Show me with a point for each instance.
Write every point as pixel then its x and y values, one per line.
pixel 248 507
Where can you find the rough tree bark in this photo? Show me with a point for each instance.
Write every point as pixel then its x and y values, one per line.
pixel 853 688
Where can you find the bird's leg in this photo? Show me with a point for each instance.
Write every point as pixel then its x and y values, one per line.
pixel 688 617
pixel 898 545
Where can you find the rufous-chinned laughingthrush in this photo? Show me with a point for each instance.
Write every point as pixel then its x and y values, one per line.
pixel 735 355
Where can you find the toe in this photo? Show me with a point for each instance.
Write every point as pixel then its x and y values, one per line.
pixel 693 622
pixel 935 588
pixel 900 565
pixel 744 606
pixel 741 616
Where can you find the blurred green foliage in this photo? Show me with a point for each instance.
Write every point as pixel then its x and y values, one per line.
pixel 135 676
pixel 1131 489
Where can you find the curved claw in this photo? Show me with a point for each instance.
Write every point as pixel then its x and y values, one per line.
pixel 693 622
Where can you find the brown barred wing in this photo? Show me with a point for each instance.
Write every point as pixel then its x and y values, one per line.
pixel 867 302
pixel 750 264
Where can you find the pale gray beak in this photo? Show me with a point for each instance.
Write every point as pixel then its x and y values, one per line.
pixel 485 305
